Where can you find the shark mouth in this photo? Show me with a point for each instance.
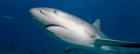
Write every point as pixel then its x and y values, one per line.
pixel 50 25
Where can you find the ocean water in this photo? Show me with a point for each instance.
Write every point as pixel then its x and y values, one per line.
pixel 20 34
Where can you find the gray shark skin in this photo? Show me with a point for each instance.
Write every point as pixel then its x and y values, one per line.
pixel 77 33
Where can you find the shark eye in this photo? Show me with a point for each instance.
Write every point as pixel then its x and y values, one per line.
pixel 55 12
pixel 59 13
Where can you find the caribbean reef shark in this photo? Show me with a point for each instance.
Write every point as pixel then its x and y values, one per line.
pixel 77 33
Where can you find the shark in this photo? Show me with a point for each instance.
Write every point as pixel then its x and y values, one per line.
pixel 77 33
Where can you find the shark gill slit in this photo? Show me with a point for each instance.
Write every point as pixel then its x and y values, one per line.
pixel 91 36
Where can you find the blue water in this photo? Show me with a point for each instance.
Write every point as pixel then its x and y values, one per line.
pixel 120 20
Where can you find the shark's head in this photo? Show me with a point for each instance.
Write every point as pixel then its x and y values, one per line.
pixel 66 26
pixel 55 16
pixel 44 15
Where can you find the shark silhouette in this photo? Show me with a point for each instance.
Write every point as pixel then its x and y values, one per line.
pixel 77 33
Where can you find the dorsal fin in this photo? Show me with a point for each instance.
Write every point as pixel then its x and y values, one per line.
pixel 97 24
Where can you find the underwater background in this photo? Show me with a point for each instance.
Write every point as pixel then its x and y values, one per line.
pixel 20 34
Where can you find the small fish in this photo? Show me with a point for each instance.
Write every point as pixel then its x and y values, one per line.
pixel 8 17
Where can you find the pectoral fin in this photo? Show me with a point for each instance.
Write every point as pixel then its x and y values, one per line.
pixel 107 42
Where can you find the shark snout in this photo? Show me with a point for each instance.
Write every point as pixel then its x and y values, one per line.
pixel 47 16
pixel 43 11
